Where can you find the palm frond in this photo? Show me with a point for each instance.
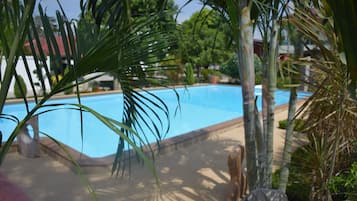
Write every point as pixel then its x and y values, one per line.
pixel 123 50
pixel 330 120
pixel 17 43
pixel 345 17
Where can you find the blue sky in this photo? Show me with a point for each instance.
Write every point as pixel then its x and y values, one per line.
pixel 72 8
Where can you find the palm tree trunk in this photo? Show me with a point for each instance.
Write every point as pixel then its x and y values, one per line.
pixel 284 174
pixel 272 74
pixel 261 148
pixel 246 59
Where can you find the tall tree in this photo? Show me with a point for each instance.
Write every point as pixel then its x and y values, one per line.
pixel 298 54
pixel 247 77
pixel 242 16
pixel 204 40
pixel 269 27
pixel 238 15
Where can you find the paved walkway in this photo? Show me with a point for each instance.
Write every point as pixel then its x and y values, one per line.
pixel 196 172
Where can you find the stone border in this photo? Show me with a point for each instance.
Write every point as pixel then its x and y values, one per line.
pixel 89 94
pixel 88 164
pixel 171 144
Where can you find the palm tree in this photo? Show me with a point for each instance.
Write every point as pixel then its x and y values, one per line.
pixel 242 17
pixel 344 14
pixel 120 49
pixel 331 110
pixel 297 39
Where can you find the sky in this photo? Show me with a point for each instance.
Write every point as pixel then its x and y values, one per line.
pixel 72 9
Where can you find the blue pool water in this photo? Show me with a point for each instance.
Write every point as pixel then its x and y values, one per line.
pixel 201 107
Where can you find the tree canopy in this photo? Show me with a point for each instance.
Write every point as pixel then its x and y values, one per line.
pixel 205 39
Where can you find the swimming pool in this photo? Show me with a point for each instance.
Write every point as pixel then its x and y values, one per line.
pixel 201 106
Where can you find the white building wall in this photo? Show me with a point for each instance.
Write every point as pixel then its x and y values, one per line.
pixel 20 69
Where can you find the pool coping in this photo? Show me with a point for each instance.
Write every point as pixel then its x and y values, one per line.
pixel 70 157
pixel 99 93
pixel 89 164
pixel 166 145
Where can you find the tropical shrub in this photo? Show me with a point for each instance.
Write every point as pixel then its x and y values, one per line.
pixel 231 68
pixel 344 185
pixel 299 124
pixel 330 113
pixel 20 83
pixel 190 77
pixel 298 188
pixel 209 72
pixel 174 75
pixel 282 82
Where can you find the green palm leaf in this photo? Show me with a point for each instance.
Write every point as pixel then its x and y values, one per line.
pixel 119 50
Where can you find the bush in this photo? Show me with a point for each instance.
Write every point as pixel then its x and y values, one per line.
pixel 230 68
pixel 17 91
pixel 258 69
pixel 281 83
pixel 344 184
pixel 190 77
pixel 69 90
pixel 298 188
pixel 207 72
pixel 299 124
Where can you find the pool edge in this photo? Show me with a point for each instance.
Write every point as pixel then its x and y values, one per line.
pixel 89 164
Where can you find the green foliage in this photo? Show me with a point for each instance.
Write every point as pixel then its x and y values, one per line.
pixel 299 124
pixel 258 69
pixel 282 82
pixel 298 188
pixel 330 113
pixel 174 75
pixel 286 73
pixel 205 39
pixel 208 72
pixel 231 68
pixel 120 49
pixel 190 77
pixel 20 83
pixel 69 90
pixel 344 184
pixel 142 9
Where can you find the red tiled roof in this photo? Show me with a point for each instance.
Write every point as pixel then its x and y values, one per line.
pixel 45 48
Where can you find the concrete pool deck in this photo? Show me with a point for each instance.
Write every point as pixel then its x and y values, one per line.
pixel 193 172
